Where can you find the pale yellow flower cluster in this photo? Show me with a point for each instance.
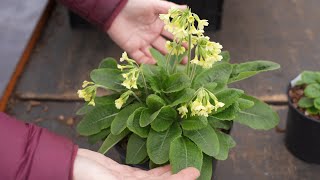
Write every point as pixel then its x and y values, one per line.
pixel 88 93
pixel 132 75
pixel 201 106
pixel 122 99
pixel 175 48
pixel 207 52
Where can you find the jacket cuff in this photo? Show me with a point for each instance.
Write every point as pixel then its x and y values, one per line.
pixel 114 14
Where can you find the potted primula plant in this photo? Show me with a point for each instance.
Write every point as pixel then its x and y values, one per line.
pixel 303 120
pixel 169 113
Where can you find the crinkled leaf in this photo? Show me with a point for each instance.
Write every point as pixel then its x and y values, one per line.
pixel 226 143
pixel 305 102
pixel 225 56
pixel 146 117
pixel 109 78
pixel 108 63
pixel 229 113
pixel 134 126
pixel 245 103
pixel 158 143
pixel 248 69
pixel 228 97
pixel 183 96
pixel 120 121
pixel 136 149
pixel 154 76
pixel 218 74
pixel 99 136
pixel 176 82
pixel 219 124
pixel 155 102
pixel 206 139
pixel 312 91
pixel 259 116
pixel 310 77
pixel 164 119
pixel 313 110
pixel 194 123
pixel 111 140
pixel 206 169
pixel 184 153
pixel 99 101
pixel 97 119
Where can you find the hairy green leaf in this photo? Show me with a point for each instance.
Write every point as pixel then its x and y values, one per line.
pixel 184 153
pixel 111 140
pixel 206 139
pixel 176 82
pixel 317 103
pixel 248 69
pixel 183 96
pixel 97 119
pixel 158 143
pixel 219 124
pixel 194 123
pixel 310 77
pixel 134 125
pixel 206 169
pixel 226 143
pixel 312 91
pixel 225 56
pixel 155 102
pixel 244 103
pixel 136 149
pixel 99 101
pixel 120 121
pixel 164 119
pixel 305 102
pixel 99 136
pixel 229 113
pixel 260 116
pixel 228 97
pixel 113 82
pixel 108 63
pixel 161 59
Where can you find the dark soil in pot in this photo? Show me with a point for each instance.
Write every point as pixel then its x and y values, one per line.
pixel 302 137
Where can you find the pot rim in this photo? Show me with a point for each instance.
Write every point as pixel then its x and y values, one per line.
pixel 299 112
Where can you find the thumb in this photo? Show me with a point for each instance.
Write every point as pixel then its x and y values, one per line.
pixel 189 173
pixel 162 6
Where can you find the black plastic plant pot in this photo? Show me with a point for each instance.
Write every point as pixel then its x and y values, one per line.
pixel 302 136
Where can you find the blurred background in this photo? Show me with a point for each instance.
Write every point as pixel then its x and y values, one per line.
pixel 46 52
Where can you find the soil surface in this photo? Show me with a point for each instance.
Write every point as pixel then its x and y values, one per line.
pixel 295 94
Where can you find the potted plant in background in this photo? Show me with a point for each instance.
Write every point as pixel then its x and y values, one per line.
pixel 169 113
pixel 303 120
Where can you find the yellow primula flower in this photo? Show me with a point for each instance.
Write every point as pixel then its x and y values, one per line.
pixel 202 23
pixel 88 94
pixel 183 110
pixel 86 83
pixel 122 99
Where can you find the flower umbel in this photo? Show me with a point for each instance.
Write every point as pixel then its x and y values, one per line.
pixel 88 93
pixel 122 99
pixel 183 110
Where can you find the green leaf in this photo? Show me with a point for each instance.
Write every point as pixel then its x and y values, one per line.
pixel 229 113
pixel 260 116
pixel 120 121
pixel 164 119
pixel 146 117
pixel 176 82
pixel 111 140
pixel 248 69
pixel 219 124
pixel 206 139
pixel 218 74
pixel 206 169
pixel 158 143
pixel 109 78
pixel 153 165
pixel 136 150
pixel 99 101
pixel 154 76
pixel 317 103
pixel 226 143
pixel 184 153
pixel 161 59
pixel 305 102
pixel 313 110
pixel 225 56
pixel 154 102
pixel 194 123
pixel 310 77
pixel 183 97
pixel 312 91
pixel 108 63
pixel 97 119
pixel 228 97
pixel 245 104
pixel 99 136
pixel 134 126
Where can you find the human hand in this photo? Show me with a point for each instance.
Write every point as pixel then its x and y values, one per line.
pixel 91 165
pixel 138 27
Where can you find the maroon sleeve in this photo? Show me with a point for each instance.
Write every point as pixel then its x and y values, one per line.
pixel 31 152
pixel 98 12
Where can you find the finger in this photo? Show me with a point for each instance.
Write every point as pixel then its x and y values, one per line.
pixel 167 34
pixel 100 158
pixel 189 173
pixel 162 7
pixel 141 57
pixel 160 44
pixel 160 170
pixel 184 60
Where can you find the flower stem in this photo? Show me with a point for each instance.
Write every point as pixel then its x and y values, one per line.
pixel 134 94
pixel 144 82
pixel 189 51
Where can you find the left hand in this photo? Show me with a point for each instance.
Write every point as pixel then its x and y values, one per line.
pixel 138 27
